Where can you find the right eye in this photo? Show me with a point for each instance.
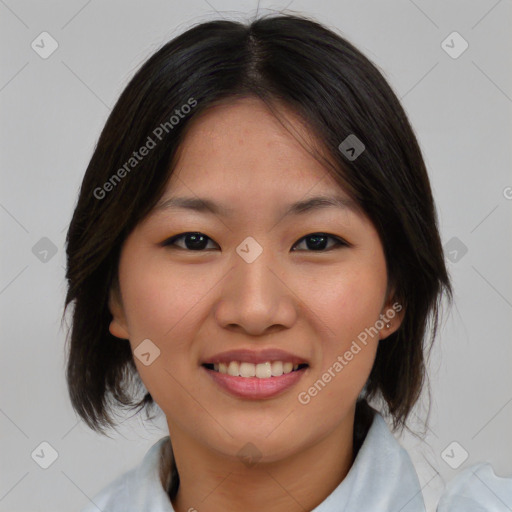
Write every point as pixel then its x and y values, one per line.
pixel 194 241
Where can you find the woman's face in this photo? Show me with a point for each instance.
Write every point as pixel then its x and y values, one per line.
pixel 255 292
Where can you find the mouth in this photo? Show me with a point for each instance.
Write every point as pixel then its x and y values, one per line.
pixel 247 370
pixel 253 375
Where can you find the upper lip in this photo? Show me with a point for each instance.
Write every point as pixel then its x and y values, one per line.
pixel 255 356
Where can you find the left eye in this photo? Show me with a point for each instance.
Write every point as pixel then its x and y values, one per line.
pixel 195 241
pixel 319 241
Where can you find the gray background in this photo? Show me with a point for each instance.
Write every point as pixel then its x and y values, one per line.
pixel 52 112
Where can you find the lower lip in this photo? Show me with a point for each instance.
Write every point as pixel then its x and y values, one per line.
pixel 253 388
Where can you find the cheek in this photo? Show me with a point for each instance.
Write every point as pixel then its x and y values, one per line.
pixel 162 304
pixel 349 303
pixel 348 307
pixel 158 298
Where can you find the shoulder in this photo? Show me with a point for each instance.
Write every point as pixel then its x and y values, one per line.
pixel 382 465
pixel 477 489
pixel 112 496
pixel 140 488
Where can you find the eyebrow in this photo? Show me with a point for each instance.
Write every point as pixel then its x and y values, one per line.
pixel 205 205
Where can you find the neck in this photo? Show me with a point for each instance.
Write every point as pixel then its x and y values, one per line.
pixel 210 482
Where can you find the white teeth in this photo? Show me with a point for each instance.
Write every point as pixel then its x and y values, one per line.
pixel 277 368
pixel 247 370
pixel 233 369
pixel 261 370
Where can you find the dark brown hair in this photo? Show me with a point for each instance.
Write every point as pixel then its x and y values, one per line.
pixel 285 60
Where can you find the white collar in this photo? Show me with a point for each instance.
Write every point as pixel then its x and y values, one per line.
pixel 382 478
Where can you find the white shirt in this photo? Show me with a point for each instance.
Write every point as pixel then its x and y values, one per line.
pixel 381 479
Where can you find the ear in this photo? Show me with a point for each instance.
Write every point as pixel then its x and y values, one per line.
pixel 118 326
pixel 392 314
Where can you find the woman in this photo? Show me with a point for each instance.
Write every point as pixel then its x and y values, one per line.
pixel 255 245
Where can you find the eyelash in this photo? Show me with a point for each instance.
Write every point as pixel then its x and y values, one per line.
pixel 170 242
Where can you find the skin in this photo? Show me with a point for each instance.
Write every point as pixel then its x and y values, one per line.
pixel 194 304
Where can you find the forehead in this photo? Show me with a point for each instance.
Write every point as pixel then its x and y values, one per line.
pixel 240 147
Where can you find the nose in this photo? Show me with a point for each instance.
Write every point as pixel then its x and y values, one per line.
pixel 256 298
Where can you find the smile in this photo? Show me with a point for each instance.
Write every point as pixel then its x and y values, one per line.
pixel 266 370
pixel 253 383
pixel 255 374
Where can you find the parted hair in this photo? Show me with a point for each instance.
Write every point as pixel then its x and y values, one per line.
pixel 285 60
